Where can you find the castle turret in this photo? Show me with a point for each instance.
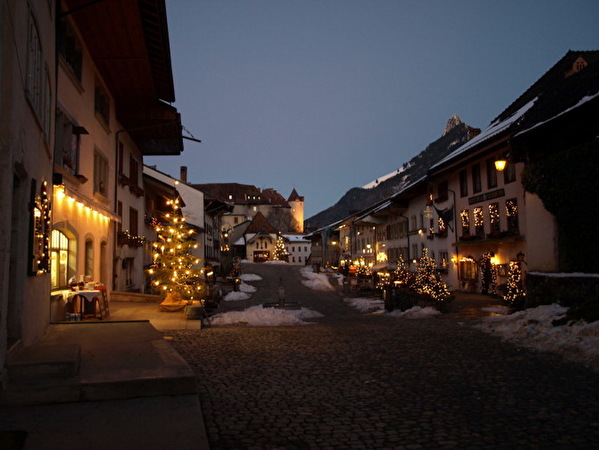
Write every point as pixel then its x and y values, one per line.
pixel 296 202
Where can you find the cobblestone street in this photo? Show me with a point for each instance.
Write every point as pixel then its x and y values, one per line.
pixel 353 380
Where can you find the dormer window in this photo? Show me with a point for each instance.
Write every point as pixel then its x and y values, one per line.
pixel 579 64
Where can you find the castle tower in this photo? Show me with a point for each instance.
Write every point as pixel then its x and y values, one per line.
pixel 296 202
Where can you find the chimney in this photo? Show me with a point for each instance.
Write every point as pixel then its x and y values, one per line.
pixel 184 174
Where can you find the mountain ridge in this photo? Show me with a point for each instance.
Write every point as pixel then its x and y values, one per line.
pixel 456 133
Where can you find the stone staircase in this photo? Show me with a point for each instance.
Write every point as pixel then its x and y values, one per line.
pixel 96 361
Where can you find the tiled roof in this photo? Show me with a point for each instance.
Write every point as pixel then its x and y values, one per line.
pixel 274 198
pixel 259 223
pixel 232 192
pixel 294 196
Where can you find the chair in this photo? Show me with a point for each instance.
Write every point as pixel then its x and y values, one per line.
pixel 103 303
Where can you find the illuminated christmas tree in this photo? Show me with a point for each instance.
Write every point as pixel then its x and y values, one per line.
pixel 514 294
pixel 175 270
pixel 280 252
pixel 402 275
pixel 428 282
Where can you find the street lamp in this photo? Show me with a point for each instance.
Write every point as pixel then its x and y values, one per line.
pixel 500 163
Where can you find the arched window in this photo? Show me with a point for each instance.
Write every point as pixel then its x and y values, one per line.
pixel 89 257
pixel 59 256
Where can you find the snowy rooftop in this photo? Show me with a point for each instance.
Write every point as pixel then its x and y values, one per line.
pixel 492 130
pixel 194 199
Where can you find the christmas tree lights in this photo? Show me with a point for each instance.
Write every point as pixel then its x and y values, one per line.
pixel 428 282
pixel 402 275
pixel 514 294
pixel 175 270
pixel 280 252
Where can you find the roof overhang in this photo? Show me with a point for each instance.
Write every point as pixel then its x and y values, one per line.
pixel 129 43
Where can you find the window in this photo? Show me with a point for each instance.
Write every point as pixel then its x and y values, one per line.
pixel 306 249
pixel 102 104
pixel 412 223
pixel 509 173
pixel 494 218
pixel 463 183
pixel 442 191
pixel 465 219
pixel 101 180
pixel 37 87
pixel 442 226
pixel 89 257
pixel 59 256
pixel 511 213
pixel 69 47
pixel 133 171
pixel 119 212
pixel 476 184
pixel 467 269
pixel 133 219
pixel 120 160
pixel 34 67
pixel 479 222
pixel 443 260
pixel 66 145
pixel 236 220
pixel 491 174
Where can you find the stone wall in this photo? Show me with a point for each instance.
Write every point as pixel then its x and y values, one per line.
pixel 566 290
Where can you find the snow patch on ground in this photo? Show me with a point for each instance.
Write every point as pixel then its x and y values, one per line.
pixel 366 304
pixel 248 288
pixel 233 296
pixel 266 317
pixel 275 262
pixel 250 277
pixel 533 328
pixel 416 312
pixel 316 281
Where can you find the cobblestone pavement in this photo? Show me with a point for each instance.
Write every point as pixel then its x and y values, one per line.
pixel 359 381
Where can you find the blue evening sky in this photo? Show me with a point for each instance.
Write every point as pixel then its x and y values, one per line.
pixel 327 95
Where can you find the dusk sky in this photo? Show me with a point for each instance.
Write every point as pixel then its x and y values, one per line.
pixel 327 95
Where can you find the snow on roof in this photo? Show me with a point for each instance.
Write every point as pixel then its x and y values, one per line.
pixel 295 237
pixel 581 102
pixel 493 129
pixel 194 199
pixel 385 177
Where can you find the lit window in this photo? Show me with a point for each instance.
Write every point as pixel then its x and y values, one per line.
pixel 59 257
pixel 465 220
pixel 494 218
pixel 479 222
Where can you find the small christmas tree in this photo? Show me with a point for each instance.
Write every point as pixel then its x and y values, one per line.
pixel 402 275
pixel 514 294
pixel 175 270
pixel 428 282
pixel 280 252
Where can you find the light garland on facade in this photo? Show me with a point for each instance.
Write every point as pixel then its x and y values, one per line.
pixel 62 197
